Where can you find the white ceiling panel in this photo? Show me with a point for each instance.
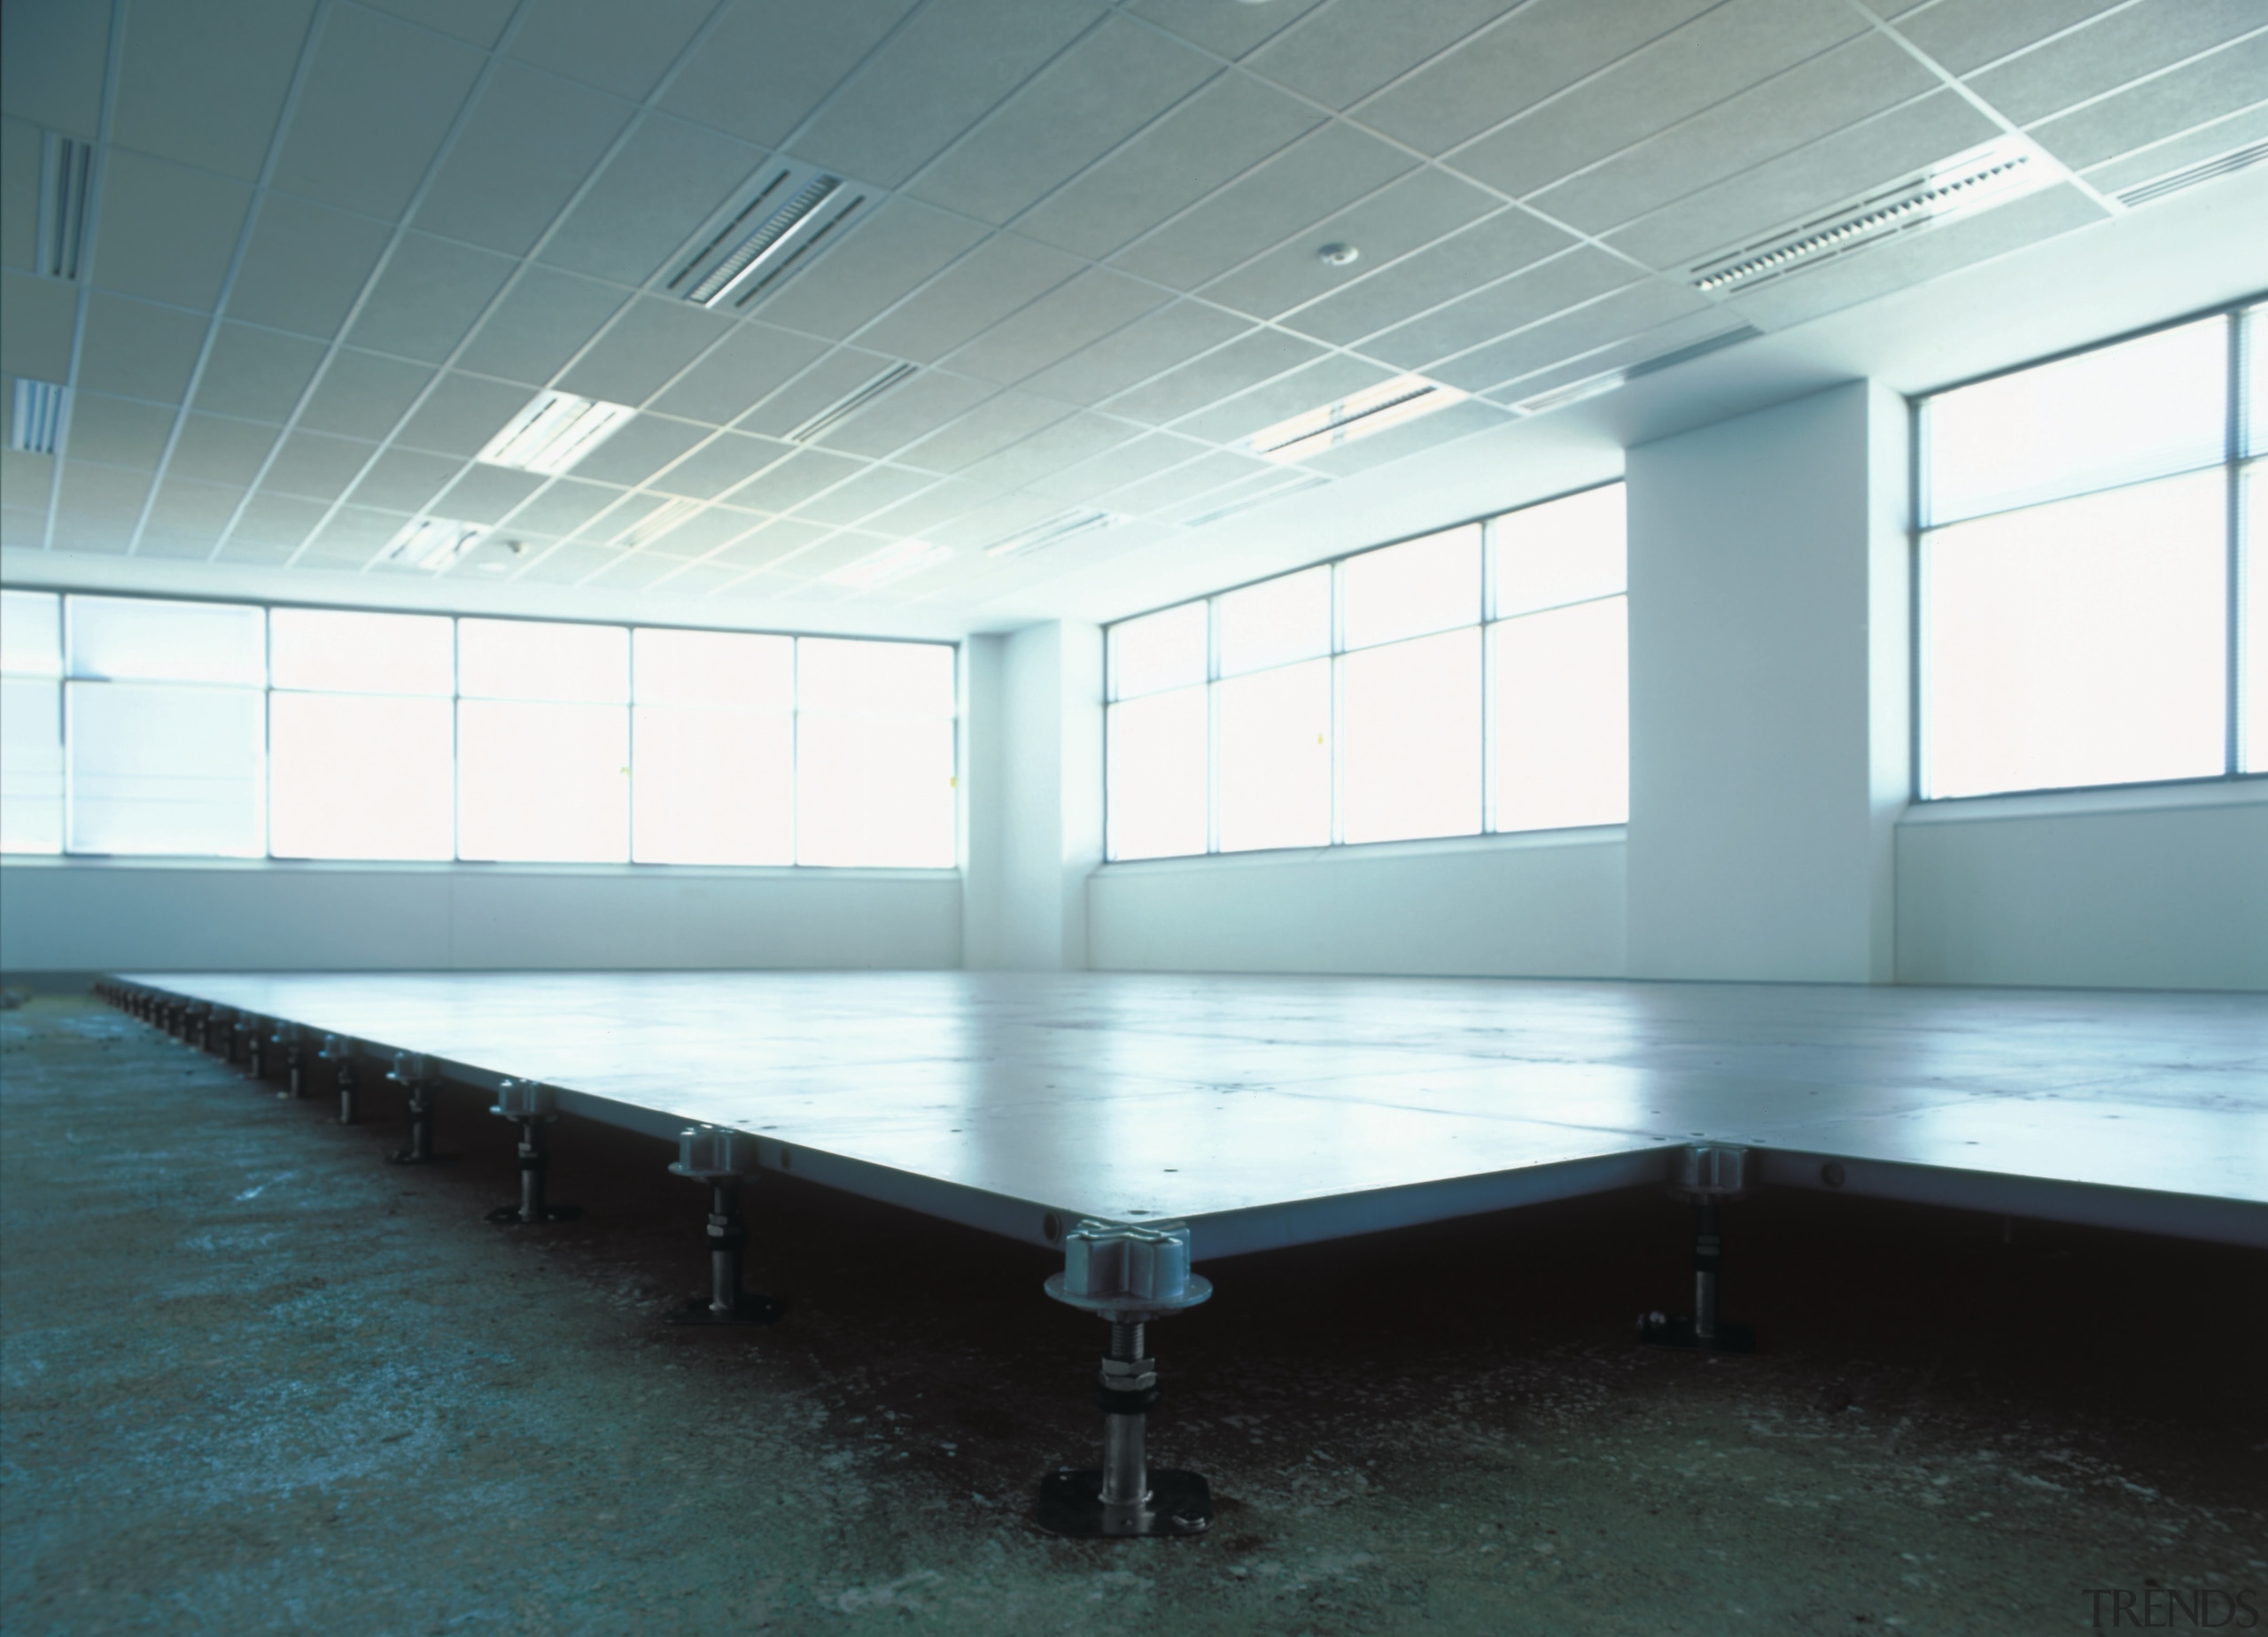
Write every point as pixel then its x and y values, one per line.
pixel 317 465
pixel 1478 256
pixel 1232 30
pixel 1056 325
pixel 406 480
pixel 1708 324
pixel 373 113
pixel 1342 52
pixel 652 340
pixel 725 461
pixel 798 397
pixel 540 324
pixel 1329 168
pixel 216 449
pixel 351 537
pixel 1837 87
pixel 486 494
pixel 137 350
pixel 531 140
pixel 2119 47
pixel 774 542
pixel 1093 97
pixel 246 549
pixel 36 316
pixel 304 265
pixel 363 395
pixel 1325 381
pixel 1965 34
pixel 873 490
pixel 702 579
pixel 565 565
pixel 953 498
pixel 52 56
pixel 1410 437
pixel 1202 476
pixel 1230 125
pixel 786 485
pixel 1540 49
pixel 166 232
pixel 18 192
pixel 618 48
pixel 2233 78
pixel 1006 418
pixel 271 520
pixel 1246 362
pixel 933 79
pixel 977 291
pixel 1719 53
pixel 1135 459
pixel 636 570
pixel 2162 158
pixel 912 409
pixel 1206 508
pixel 461 414
pixel 767 65
pixel 192 512
pixel 204 84
pixel 642 447
pixel 750 364
pixel 631 518
pixel 564 506
pixel 477 22
pixel 427 296
pixel 1065 443
pixel 257 374
pixel 117 431
pixel 898 246
pixel 1582 275
pixel 1157 342
pixel 667 180
pixel 1628 311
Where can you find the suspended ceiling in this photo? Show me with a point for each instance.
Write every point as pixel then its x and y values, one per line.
pixel 334 247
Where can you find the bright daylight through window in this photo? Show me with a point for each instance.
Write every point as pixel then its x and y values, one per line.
pixel 2092 612
pixel 132 726
pixel 1472 680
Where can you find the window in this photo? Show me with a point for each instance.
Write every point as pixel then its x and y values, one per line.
pixel 207 729
pixel 1471 681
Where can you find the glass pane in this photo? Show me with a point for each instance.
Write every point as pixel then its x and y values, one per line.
pixel 166 769
pixel 1561 552
pixel 533 659
pixel 1157 775
pixel 713 786
pixel 715 668
pixel 1410 713
pixel 31 634
pixel 2144 407
pixel 2254 637
pixel 548 782
pixel 896 679
pixel 1158 651
pixel 1563 718
pixel 2077 644
pixel 31 765
pixel 1275 622
pixel 339 652
pixel 875 790
pixel 352 775
pixel 1275 758
pixel 134 640
pixel 1408 590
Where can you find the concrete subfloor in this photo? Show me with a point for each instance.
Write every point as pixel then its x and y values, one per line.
pixel 256 1380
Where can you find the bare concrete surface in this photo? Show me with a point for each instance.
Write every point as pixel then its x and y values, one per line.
pixel 257 1380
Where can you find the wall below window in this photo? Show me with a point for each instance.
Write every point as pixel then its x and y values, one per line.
pixel 1542 906
pixel 80 916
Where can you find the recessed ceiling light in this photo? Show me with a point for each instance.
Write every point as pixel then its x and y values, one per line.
pixel 891 563
pixel 1339 255
pixel 433 542
pixel 751 249
pixel 1053 532
pixel 554 432
pixel 1373 409
pixel 37 427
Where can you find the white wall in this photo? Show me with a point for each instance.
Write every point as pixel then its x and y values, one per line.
pixel 87 916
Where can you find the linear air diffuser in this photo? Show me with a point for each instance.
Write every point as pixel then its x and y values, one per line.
pixel 843 407
pixel 1053 532
pixel 1607 380
pixel 1358 414
pixel 66 170
pixel 2195 173
pixel 753 247
pixel 36 426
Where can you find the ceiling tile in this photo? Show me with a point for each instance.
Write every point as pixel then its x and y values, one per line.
pixel 638 450
pixel 407 480
pixel 1724 51
pixel 486 494
pixel 1419 208
pixel 542 322
pixel 110 497
pixel 626 520
pixel 1443 272
pixel 165 232
pixel 362 395
pixel 951 498
pixel 702 533
pixel 2208 142
pixel 214 449
pixel 922 404
pixel 1162 339
pixel 36 317
pixel 1442 426
pixel 351 538
pixel 1042 331
pixel 372 113
pixel 668 180
pixel 478 22
pixel 1833 89
pixel 1325 381
pixel 984 287
pixel 304 267
pixel 1230 125
pixel 20 526
pixel 1093 97
pixel 1232 30
pixel 137 350
pixel 603 42
pixel 1183 483
pixel 275 520
pixel 1246 362
pixel 317 465
pixel 2230 79
pixel 461 414
pixel 18 192
pixel 795 480
pixel 240 547
pixel 1135 459
pixel 871 491
pixel 898 246
pixel 1965 34
pixel 767 65
pixel 651 340
pixel 1069 441
pixel 529 144
pixel 1342 52
pixel 774 542
pixel 952 61
pixel 728 459
pixel 118 431
pixel 1540 49
pixel 257 374
pixel 2112 52
pixel 204 84
pixel 1206 508
pixel 1323 172
pixel 1810 179
pixel 427 296
pixel 51 65
pixel 1625 312
pixel 1704 324
pixel 827 383
pixel 193 513
pixel 635 571
pixel 564 506
pixel 699 579
pixel 1524 298
pixel 751 363
pixel 994 522
pixel 565 565
pixel 1006 418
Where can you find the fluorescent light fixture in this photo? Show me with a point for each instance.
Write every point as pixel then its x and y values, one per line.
pixel 655 524
pixel 721 274
pixel 66 170
pixel 1373 409
pixel 433 542
pixel 1053 532
pixel 553 432
pixel 891 563
pixel 36 426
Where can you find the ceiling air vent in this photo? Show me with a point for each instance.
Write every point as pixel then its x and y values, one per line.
pixel 1234 507
pixel 66 170
pixel 1053 532
pixel 843 407
pixel 1974 181
pixel 432 543
pixel 2194 174
pixel 1606 381
pixel 1358 414
pixel 756 245
pixel 36 425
